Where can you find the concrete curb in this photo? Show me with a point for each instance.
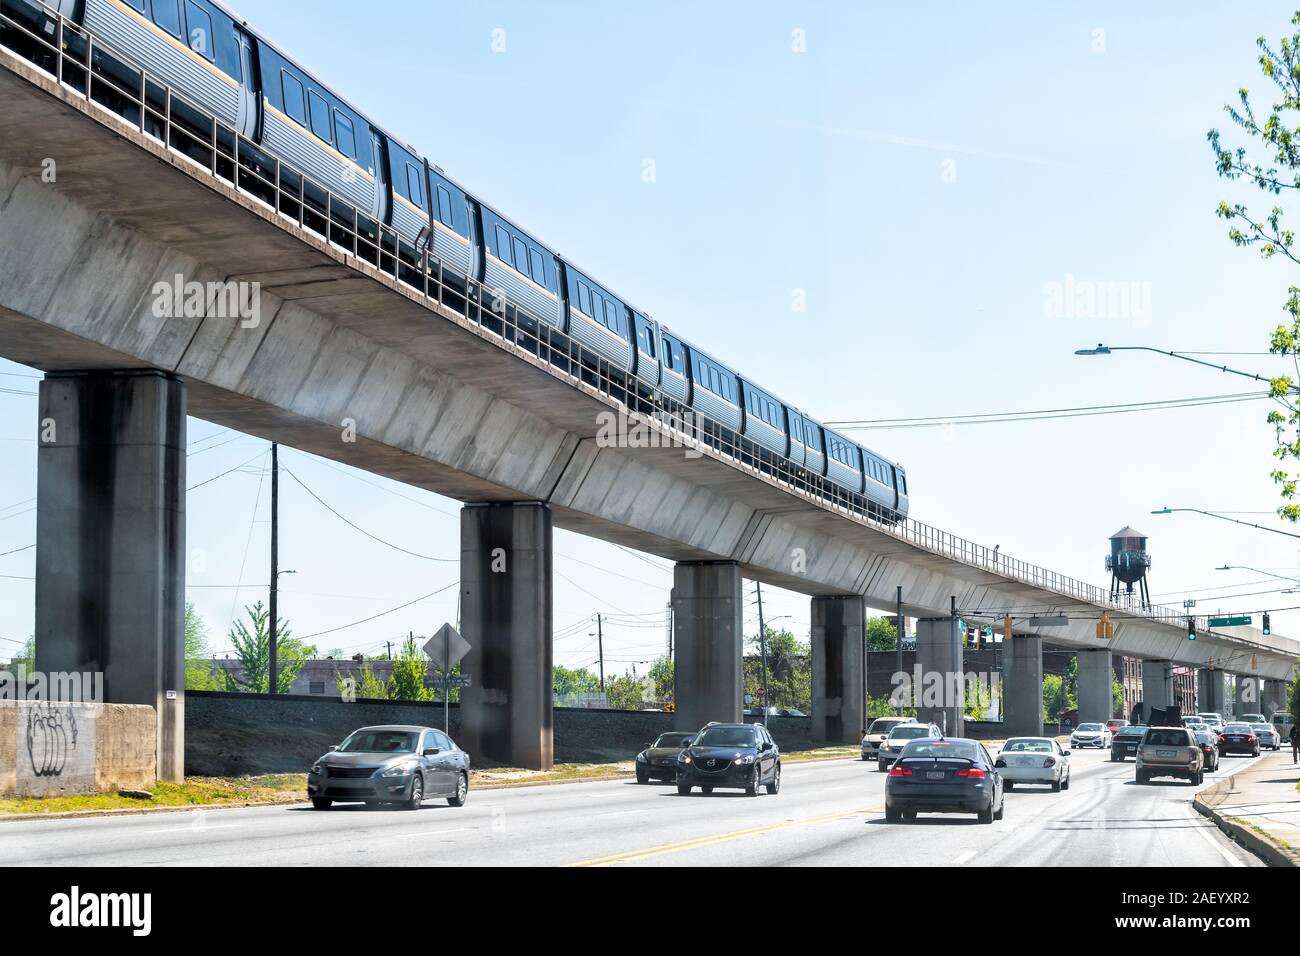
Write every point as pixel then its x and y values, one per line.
pixel 295 800
pixel 1207 802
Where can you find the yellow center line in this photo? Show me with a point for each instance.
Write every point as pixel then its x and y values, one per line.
pixel 631 856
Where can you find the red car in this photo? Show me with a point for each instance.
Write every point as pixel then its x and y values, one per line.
pixel 1115 724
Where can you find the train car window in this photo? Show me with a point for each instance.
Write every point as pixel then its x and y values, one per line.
pixel 503 245
pixel 136 5
pixel 167 14
pixel 413 185
pixel 294 104
pixel 201 38
pixel 521 256
pixel 539 267
pixel 320 116
pixel 444 206
pixel 611 316
pixel 346 137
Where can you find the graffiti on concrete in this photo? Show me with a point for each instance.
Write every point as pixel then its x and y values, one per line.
pixel 51 737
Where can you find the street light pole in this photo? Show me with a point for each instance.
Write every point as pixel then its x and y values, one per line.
pixel 273 675
pixel 1108 349
pixel 762 648
pixel 1212 514
pixel 1246 567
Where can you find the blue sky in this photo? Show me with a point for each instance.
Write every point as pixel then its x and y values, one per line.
pixel 920 174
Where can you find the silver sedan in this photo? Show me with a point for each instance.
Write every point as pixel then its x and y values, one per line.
pixel 1034 760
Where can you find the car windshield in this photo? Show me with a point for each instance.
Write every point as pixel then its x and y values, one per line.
pixel 673 740
pixel 1160 737
pixel 884 725
pixel 380 742
pixel 909 732
pixel 1092 727
pixel 1028 746
pixel 1264 727
pixel 727 737
pixel 940 749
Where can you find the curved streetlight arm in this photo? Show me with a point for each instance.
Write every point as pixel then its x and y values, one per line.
pixel 1169 511
pixel 1107 349
pixel 1246 567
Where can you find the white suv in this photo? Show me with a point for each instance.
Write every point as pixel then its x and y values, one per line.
pixel 878 731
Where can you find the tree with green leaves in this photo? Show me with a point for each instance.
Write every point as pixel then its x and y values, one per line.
pixel 663 673
pixel 252 646
pixel 789 671
pixel 409 671
pixel 628 692
pixel 568 683
pixel 1276 135
pixel 881 634
pixel 26 658
pixel 199 672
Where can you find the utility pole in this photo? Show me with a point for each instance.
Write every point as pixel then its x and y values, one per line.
pixel 390 651
pixel 600 644
pixel 762 649
pixel 273 677
pixel 898 644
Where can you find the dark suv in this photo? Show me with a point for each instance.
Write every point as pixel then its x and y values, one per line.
pixel 1126 741
pixel 732 756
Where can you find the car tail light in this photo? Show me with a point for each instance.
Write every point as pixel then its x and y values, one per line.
pixel 971 772
pixel 897 771
pixel 1049 762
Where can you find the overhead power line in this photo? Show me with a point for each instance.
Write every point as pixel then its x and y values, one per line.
pixel 1044 414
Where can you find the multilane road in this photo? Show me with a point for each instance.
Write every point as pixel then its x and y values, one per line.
pixel 828 813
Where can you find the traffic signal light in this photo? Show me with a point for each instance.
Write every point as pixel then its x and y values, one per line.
pixel 1105 627
pixel 1268 628
pixel 1191 628
pixel 1006 628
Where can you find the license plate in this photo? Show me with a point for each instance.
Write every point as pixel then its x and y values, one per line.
pixel 1164 753
pixel 1024 761
pixel 934 775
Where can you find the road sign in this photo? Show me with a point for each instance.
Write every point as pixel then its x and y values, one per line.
pixel 749 699
pixel 762 691
pixel 1051 620
pixel 1238 621
pixel 446 648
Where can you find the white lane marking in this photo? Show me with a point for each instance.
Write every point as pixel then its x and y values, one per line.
pixel 429 833
pixel 197 828
pixel 1202 825
pixel 619 813
pixel 964 858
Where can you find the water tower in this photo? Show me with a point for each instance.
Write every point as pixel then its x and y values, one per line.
pixel 1128 563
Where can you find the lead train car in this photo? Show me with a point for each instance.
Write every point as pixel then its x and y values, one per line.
pixel 201 50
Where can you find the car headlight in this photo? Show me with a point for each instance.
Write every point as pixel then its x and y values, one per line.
pixel 684 757
pixel 315 770
pixel 743 759
pixel 401 770
pixel 641 757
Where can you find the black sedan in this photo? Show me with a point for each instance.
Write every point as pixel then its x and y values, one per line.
pixel 730 756
pixel 949 775
pixel 1238 738
pixel 399 764
pixel 1126 741
pixel 659 759
pixel 1209 743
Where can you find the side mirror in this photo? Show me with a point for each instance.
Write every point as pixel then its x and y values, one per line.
pixel 766 746
pixel 999 762
pixel 431 751
pixel 1066 752
pixel 646 746
pixel 332 749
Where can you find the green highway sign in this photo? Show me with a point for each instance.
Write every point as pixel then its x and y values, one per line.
pixel 1230 621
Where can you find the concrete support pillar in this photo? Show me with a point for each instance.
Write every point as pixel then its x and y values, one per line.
pixel 940 692
pixel 708 637
pixel 505 581
pixel 1157 685
pixel 1022 686
pixel 110 541
pixel 1210 695
pixel 1250 696
pixel 838 694
pixel 1096 673
pixel 1275 697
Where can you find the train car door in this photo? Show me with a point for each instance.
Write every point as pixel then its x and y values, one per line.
pixel 250 97
pixel 382 206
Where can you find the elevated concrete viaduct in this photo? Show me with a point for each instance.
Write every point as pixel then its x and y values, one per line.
pixel 344 361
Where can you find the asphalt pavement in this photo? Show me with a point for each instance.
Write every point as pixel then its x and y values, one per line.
pixel 827 813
